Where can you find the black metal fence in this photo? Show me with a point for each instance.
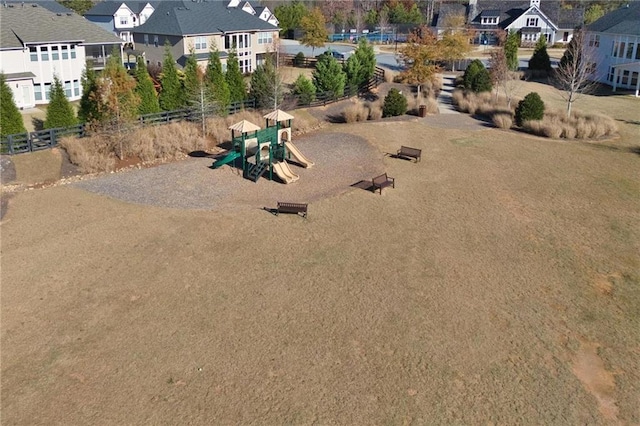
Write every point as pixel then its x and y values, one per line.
pixel 44 139
pixel 48 138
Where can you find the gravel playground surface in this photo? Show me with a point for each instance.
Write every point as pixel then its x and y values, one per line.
pixel 341 160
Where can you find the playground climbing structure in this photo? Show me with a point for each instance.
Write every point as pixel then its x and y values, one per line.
pixel 262 152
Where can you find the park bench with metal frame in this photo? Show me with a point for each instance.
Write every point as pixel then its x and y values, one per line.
pixel 382 181
pixel 409 152
pixel 292 208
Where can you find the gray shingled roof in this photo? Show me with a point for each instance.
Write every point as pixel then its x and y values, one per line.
pixel 205 17
pixel 53 6
pixel 512 9
pixel 33 24
pixel 625 20
pixel 109 7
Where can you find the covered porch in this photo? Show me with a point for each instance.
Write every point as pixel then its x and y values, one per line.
pixel 626 76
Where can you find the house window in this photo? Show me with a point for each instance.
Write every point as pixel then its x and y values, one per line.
pixel 634 78
pixel 614 52
pixel 37 91
pixel 155 40
pixel 201 43
pixel 241 43
pixel 621 51
pixel 33 53
pixel 55 55
pixel 67 89
pixel 565 36
pixel 594 40
pixel 625 77
pixel 247 41
pixel 146 39
pixel 73 52
pixel 124 20
pixel 65 52
pixel 532 22
pixel 638 51
pixel 490 21
pixel 76 88
pixel 47 90
pixel 610 74
pixel 265 38
pixel 44 53
pixel 630 47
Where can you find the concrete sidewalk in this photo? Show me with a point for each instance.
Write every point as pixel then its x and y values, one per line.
pixel 445 102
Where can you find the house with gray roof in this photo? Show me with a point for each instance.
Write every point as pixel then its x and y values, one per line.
pixel 614 42
pixel 200 25
pixel 531 19
pixel 37 43
pixel 120 17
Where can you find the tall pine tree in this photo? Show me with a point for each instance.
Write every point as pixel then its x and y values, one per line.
pixel 328 76
pixel 367 58
pixel 192 78
pixel 235 81
pixel 10 118
pixel 59 112
pixel 540 60
pixel 511 46
pixel 266 85
pixel 89 110
pixel 172 96
pixel 146 91
pixel 216 83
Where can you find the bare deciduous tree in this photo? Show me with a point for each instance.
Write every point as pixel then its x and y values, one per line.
pixel 575 74
pixel 501 76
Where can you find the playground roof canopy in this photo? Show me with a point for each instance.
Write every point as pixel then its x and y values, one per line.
pixel 244 127
pixel 278 115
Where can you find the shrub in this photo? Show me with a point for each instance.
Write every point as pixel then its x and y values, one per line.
pixel 540 59
pixel 355 112
pixel 530 108
pixel 502 120
pixel 394 104
pixel 304 89
pixel 91 155
pixel 375 111
pixel 432 106
pixel 476 77
pixel 298 60
pixel 59 112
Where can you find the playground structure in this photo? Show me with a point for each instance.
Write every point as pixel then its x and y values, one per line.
pixel 264 150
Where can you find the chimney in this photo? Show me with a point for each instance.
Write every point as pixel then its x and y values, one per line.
pixel 473 10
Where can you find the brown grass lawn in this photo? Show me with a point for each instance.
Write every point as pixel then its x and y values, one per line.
pixel 497 283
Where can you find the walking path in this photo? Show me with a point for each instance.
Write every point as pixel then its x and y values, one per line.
pixel 445 104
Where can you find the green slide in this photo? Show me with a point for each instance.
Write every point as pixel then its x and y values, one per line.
pixel 227 159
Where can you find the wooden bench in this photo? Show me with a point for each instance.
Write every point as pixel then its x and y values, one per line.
pixel 292 208
pixel 406 151
pixel 382 181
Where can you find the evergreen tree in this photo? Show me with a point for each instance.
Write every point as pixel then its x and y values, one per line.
pixel 353 72
pixel 59 111
pixel 304 89
pixel 394 104
pixel 471 72
pixel 540 58
pixel 89 109
pixel 146 91
pixel 217 86
pixel 367 58
pixel 235 81
pixel 530 108
pixel 172 96
pixel 192 78
pixel 511 46
pixel 328 76
pixel 266 85
pixel 10 118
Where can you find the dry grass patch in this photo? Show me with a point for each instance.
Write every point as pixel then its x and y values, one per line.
pixel 91 155
pixel 502 120
pixel 557 125
pixel 375 110
pixel 355 112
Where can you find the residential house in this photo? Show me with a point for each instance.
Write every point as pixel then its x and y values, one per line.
pixel 120 17
pixel 614 41
pixel 202 25
pixel 531 19
pixel 36 44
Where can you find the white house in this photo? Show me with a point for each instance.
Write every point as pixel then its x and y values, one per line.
pixel 615 40
pixel 120 17
pixel 201 25
pixel 36 44
pixel 531 19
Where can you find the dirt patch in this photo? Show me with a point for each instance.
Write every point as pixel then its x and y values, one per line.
pixel 590 370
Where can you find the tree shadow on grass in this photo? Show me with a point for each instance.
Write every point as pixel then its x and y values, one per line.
pixel 38 123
